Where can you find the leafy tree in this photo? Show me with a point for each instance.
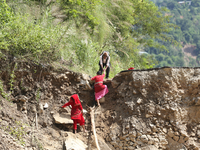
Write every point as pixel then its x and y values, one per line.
pixel 160 57
pixel 181 54
pixel 195 3
pixel 192 62
pixel 193 11
pixel 185 24
pixel 173 51
pixel 198 59
pixel 154 26
pixel 176 13
pixel 180 61
pixel 163 64
pixel 145 61
pixel 173 58
pixel 171 5
pixel 152 50
pixel 198 44
pixel 192 31
pixel 81 11
pixel 168 60
pixel 196 51
pixel 196 38
pixel 188 37
pixel 177 35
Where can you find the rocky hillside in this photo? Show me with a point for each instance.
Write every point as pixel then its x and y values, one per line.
pixel 144 109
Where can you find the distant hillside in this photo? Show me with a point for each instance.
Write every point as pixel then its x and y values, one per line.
pixel 186 15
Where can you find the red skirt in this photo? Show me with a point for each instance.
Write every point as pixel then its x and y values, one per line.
pixel 77 115
pixel 101 93
pixel 99 87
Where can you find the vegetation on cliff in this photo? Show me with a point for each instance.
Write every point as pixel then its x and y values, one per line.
pixel 30 30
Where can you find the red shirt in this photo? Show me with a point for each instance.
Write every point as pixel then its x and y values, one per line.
pixel 98 78
pixel 98 86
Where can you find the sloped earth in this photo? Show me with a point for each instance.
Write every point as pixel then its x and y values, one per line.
pixel 144 109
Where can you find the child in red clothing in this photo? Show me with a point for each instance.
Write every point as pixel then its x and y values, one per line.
pixel 100 89
pixel 76 112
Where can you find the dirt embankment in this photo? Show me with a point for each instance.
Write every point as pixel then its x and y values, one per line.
pixel 144 109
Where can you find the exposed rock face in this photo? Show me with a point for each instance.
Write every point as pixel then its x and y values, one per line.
pixel 62 118
pixel 73 143
pixel 160 108
pixel 144 109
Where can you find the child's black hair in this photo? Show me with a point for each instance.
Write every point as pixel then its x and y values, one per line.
pixel 99 73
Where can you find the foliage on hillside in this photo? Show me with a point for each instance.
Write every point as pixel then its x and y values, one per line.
pixel 122 27
pixel 185 14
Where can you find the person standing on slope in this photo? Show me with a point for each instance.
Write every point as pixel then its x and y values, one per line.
pixel 76 112
pixel 100 89
pixel 105 62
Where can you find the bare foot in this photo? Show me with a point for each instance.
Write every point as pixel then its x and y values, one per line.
pixel 75 132
pixel 85 131
pixel 98 103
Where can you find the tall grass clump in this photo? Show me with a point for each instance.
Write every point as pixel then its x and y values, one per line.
pixel 22 38
pixel 44 42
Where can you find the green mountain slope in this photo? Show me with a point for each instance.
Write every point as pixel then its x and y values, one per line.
pixel 186 15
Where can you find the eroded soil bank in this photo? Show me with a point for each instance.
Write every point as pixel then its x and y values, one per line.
pixel 144 109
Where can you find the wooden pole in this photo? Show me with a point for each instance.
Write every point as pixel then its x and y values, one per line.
pixel 89 136
pixel 36 122
pixel 93 128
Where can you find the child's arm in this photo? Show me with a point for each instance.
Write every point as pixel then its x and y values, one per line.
pixel 66 104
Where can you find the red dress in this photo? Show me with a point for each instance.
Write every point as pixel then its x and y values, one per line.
pixel 98 86
pixel 76 114
pixel 100 89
